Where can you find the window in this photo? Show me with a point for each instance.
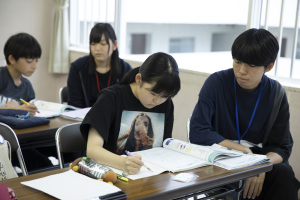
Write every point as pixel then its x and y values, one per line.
pixel 140 43
pixel 84 14
pixel 181 45
pixel 190 29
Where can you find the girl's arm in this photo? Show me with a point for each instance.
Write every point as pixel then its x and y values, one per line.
pixel 96 152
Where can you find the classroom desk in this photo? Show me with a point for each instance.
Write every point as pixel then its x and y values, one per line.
pixel 41 136
pixel 156 187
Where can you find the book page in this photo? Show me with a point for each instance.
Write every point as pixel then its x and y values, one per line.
pixel 46 113
pixel 242 161
pixel 171 160
pixel 143 172
pixel 45 105
pixel 76 114
pixel 207 153
pixel 50 109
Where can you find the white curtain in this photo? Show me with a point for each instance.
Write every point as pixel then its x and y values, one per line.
pixel 59 48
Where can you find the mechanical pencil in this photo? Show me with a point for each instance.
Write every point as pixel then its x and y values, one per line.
pixel 25 102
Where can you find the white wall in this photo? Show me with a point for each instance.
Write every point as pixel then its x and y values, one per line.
pixel 36 18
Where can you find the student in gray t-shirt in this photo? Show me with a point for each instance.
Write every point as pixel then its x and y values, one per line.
pixel 22 52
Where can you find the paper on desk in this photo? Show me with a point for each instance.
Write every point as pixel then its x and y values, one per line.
pixel 71 185
pixel 76 114
pixel 143 171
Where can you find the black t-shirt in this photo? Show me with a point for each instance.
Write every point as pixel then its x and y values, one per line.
pixel 82 86
pixel 120 119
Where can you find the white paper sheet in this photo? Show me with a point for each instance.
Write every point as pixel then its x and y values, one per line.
pixel 71 185
pixel 76 114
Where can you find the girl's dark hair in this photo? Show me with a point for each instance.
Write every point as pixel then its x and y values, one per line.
pixel 255 47
pixel 160 68
pixel 22 45
pixel 107 30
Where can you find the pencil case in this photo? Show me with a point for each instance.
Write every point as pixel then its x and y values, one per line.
pixel 93 169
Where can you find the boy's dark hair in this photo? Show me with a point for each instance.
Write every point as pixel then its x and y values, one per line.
pixel 22 45
pixel 255 47
pixel 160 68
pixel 107 30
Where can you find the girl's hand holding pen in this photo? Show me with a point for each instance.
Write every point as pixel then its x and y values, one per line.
pixel 131 155
pixel 133 164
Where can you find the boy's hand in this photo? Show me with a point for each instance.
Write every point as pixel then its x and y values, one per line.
pixel 133 165
pixel 31 108
pixel 253 186
pixel 11 104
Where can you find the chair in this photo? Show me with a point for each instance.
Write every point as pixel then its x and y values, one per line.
pixel 9 135
pixel 188 128
pixel 69 140
pixel 63 94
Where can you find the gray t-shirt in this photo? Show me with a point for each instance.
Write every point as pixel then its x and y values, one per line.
pixel 10 92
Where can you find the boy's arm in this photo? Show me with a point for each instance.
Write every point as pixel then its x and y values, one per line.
pixel 233 145
pixel 31 108
pixel 96 152
pixel 280 141
pixel 10 105
pixel 275 158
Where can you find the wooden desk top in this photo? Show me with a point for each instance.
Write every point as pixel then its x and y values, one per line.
pixel 156 187
pixel 50 128
pixel 41 136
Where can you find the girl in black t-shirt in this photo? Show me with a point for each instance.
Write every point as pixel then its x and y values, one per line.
pixel 146 89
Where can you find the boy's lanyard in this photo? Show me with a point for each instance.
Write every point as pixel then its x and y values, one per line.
pixel 236 111
pixel 98 84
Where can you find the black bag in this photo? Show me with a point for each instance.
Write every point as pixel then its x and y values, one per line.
pixel 18 119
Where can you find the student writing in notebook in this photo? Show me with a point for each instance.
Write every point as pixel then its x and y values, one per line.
pixel 100 69
pixel 146 89
pixel 234 108
pixel 22 52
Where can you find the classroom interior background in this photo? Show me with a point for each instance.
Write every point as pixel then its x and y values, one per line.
pixel 199 39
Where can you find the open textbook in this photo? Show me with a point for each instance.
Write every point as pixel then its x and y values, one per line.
pixel 177 155
pixel 50 109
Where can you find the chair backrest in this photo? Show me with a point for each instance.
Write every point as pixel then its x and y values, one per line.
pixel 188 128
pixel 8 134
pixel 63 94
pixel 69 139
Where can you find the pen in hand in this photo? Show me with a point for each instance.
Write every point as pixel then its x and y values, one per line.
pixel 25 102
pixel 130 154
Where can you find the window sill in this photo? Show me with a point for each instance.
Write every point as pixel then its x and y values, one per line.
pixel 210 63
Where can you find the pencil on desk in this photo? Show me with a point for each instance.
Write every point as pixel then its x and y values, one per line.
pixel 25 102
pixel 130 154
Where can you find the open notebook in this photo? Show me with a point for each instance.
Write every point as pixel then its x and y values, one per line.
pixel 78 114
pixel 177 156
pixel 50 109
